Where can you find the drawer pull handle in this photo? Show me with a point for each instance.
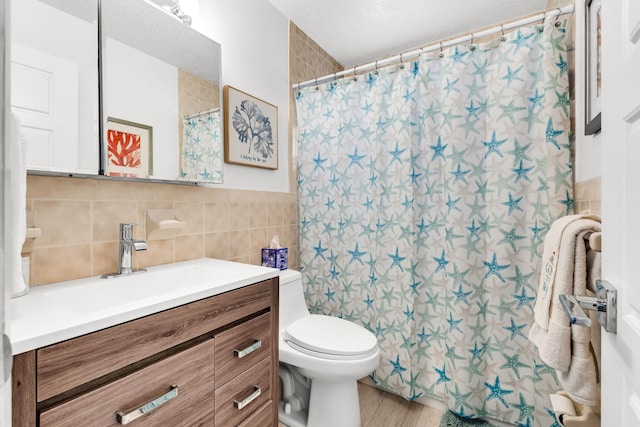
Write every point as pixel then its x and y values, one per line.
pixel 239 404
pixel 245 352
pixel 148 407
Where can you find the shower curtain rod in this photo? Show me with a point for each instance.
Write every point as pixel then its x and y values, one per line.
pixel 439 45
pixel 201 113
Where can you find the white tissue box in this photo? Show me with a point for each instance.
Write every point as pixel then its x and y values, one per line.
pixel 275 258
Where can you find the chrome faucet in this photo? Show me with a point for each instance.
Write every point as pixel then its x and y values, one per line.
pixel 127 245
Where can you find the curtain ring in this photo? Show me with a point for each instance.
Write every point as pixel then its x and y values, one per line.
pixel 471 46
pixel 557 23
pixel 441 53
pixel 503 38
pixel 376 71
pixel 317 88
pixel 355 77
pixel 401 63
pixel 335 76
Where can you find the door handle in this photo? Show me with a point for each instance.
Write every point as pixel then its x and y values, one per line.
pixel 605 303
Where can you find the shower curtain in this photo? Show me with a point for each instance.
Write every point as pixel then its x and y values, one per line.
pixel 425 192
pixel 201 154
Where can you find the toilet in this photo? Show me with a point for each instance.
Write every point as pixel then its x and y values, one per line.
pixel 321 359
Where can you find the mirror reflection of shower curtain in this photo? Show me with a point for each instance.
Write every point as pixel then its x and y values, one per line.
pixel 201 155
pixel 425 192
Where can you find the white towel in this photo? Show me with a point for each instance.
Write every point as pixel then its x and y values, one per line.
pixel 16 200
pixel 564 271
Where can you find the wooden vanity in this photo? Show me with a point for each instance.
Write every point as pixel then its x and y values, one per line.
pixel 209 362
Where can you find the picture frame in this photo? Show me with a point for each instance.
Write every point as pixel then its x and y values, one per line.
pixel 250 130
pixel 128 149
pixel 593 74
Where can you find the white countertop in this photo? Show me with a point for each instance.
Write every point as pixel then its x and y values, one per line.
pixel 52 313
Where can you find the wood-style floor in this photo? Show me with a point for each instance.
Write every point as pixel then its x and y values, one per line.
pixel 381 409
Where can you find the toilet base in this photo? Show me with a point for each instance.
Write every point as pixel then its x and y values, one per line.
pixel 334 404
pixel 330 404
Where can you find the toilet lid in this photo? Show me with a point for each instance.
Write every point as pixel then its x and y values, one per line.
pixel 330 336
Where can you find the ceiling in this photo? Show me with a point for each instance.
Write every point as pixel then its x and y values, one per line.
pixel 359 31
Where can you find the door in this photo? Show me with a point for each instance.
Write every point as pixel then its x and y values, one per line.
pixel 44 96
pixel 621 208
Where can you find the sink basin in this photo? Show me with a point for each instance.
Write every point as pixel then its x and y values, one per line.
pixel 96 294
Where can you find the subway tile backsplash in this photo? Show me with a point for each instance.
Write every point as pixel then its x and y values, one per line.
pixel 79 219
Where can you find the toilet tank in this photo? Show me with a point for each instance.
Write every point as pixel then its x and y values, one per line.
pixel 292 303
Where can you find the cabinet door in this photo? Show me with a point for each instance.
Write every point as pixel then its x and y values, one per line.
pixel 176 391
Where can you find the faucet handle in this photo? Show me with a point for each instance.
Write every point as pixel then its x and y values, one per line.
pixel 126 231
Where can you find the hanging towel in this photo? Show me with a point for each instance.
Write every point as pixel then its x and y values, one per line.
pixel 16 207
pixel 564 271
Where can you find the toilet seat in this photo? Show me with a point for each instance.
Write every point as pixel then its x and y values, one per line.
pixel 330 337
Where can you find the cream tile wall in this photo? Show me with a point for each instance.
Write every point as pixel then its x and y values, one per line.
pixel 80 219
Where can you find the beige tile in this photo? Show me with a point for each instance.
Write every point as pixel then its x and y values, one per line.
pixel 290 235
pixel 290 213
pixel 590 190
pixel 63 222
pixel 124 190
pixel 275 215
pixel 46 187
pixel 239 243
pixel 239 215
pixel 189 247
pixel 216 217
pixel 242 259
pixel 105 257
pixel 159 252
pixel 182 193
pixel 58 263
pixel 216 245
pixel 259 215
pixel 259 239
pixel 193 214
pixel 107 217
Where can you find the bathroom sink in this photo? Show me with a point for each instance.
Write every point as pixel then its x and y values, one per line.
pixel 96 294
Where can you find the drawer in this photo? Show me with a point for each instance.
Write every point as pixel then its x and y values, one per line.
pixel 191 370
pixel 260 418
pixel 63 366
pixel 242 388
pixel 241 347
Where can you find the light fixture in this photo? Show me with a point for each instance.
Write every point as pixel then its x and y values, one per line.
pixel 184 9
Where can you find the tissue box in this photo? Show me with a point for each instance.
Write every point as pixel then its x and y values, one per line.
pixel 275 258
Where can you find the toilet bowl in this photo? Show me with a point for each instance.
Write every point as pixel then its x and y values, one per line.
pixel 321 359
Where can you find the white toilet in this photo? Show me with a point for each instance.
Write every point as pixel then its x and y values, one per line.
pixel 321 359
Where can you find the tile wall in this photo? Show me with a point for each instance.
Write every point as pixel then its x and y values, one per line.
pixel 79 220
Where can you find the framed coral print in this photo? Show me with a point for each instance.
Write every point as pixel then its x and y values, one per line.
pixel 250 130
pixel 593 75
pixel 129 147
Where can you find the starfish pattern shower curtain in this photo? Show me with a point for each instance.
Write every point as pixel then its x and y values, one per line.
pixel 425 193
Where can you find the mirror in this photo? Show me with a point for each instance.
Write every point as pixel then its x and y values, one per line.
pixel 54 83
pixel 161 96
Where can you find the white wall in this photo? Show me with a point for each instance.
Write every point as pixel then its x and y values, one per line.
pixel 588 147
pixel 255 59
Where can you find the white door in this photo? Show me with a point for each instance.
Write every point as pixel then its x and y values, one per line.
pixel 44 96
pixel 621 208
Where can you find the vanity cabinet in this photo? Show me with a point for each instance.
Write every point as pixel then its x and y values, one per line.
pixel 209 362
